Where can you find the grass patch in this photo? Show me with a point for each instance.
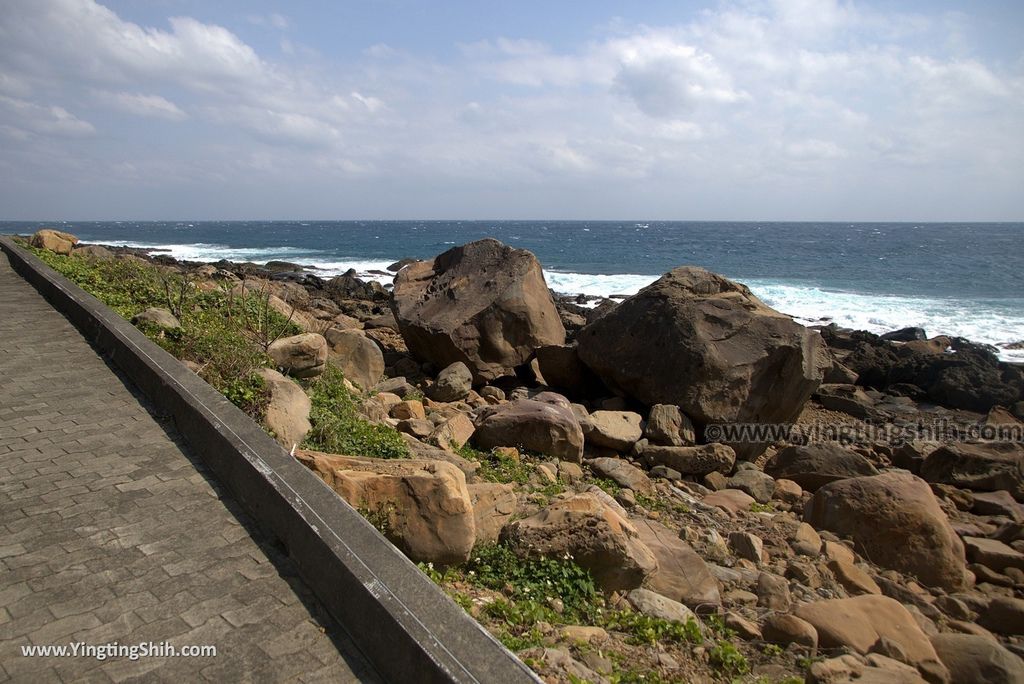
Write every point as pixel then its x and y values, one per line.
pixel 644 629
pixel 726 657
pixel 339 429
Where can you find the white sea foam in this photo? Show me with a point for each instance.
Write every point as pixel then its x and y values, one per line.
pixel 993 322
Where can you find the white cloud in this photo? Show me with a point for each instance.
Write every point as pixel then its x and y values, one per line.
pixel 144 105
pixel 52 120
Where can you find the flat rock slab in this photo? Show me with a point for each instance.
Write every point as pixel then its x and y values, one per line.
pixel 114 532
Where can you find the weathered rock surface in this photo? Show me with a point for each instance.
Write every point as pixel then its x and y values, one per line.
pixel 453 383
pixel 706 344
pixel 493 506
pixel 594 534
pixel 682 574
pixel 617 430
pixel 484 303
pixel 54 240
pixel 695 460
pixel 654 604
pixel 757 484
pixel 987 467
pixel 816 464
pixel 860 622
pixel 668 426
pixel 894 520
pixel 424 505
pixel 974 658
pixel 358 357
pixel 288 410
pixel 561 367
pixel 622 473
pixel 303 356
pixel 156 316
pixel 547 428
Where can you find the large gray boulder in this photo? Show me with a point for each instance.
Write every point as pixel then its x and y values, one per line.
pixel 485 304
pixel 699 341
pixel 815 465
pixel 546 427
pixel 359 357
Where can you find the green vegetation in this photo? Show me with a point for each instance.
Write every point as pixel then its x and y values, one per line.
pixel 339 429
pixel 210 336
pixel 726 657
pixel 496 467
pixel 496 566
pixel 644 629
pixel 762 508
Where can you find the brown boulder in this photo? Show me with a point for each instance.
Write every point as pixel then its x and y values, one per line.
pixel 493 506
pixel 987 467
pixel 485 304
pixel 668 426
pixel 358 357
pixel 423 507
pixel 622 473
pixel 682 574
pixel 596 535
pixel 547 428
pixel 54 240
pixel 693 460
pixel 302 356
pixel 699 341
pixel 816 464
pixel 974 658
pixel 861 622
pixel 288 411
pixel 895 520
pixel 618 430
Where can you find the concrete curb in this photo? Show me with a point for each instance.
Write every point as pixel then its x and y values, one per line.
pixel 404 624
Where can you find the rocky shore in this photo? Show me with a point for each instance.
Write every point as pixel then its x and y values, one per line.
pixel 684 485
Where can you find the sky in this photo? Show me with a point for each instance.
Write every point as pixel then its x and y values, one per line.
pixel 411 109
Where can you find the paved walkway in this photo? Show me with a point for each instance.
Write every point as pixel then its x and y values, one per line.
pixel 111 531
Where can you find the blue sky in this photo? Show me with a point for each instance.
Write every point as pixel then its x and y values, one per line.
pixel 759 110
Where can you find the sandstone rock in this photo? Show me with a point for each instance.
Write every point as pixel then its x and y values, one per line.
pixel 54 240
pixel 288 410
pixel 773 592
pixel 997 503
pixel 732 500
pixel 420 429
pixel 1004 615
pixel 453 383
pixel 860 622
pixel 704 343
pixel 617 430
pixel 93 252
pixel 852 578
pixel 851 668
pixel 746 629
pixel 484 303
pixel 399 386
pixel 594 534
pixel 848 399
pixel 493 506
pixel 546 428
pixel 358 357
pixel 695 460
pixel 425 505
pixel 757 484
pixel 986 467
pixel 682 574
pixel 410 409
pixel 747 545
pixel 302 356
pixel 817 464
pixel 972 658
pixel 158 317
pixel 806 541
pixel 668 426
pixel 622 473
pixel 651 603
pixel 780 628
pixel 787 491
pixel 993 554
pixel 896 522
pixel 453 433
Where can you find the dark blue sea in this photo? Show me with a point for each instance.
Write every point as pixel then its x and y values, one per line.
pixel 958 279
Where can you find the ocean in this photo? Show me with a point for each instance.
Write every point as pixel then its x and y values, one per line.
pixel 963 279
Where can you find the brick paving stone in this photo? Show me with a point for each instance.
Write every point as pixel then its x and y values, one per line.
pixel 101 502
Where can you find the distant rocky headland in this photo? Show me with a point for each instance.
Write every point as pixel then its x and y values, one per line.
pixel 681 485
